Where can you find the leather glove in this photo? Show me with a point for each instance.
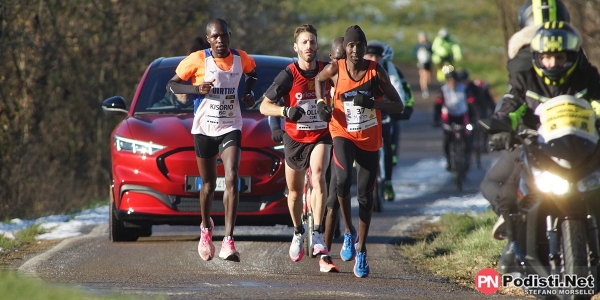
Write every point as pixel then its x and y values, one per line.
pixel 277 135
pixel 324 111
pixel 408 110
pixel 363 101
pixel 501 141
pixel 294 113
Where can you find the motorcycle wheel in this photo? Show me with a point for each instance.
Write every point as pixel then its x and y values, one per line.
pixel 574 249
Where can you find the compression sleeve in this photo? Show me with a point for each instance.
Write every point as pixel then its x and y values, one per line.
pixel 180 88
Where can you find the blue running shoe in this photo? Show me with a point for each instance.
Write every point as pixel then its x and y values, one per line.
pixel 361 265
pixel 348 251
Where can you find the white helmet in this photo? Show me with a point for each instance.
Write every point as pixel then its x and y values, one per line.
pixel 443 33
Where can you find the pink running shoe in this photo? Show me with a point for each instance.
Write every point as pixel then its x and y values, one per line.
pixel 206 249
pixel 228 251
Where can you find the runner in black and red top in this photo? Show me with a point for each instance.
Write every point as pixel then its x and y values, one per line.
pixel 306 140
pixel 356 131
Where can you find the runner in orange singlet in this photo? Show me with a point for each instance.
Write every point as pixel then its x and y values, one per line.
pixel 356 131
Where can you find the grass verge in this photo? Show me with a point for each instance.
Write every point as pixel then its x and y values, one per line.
pixel 15 286
pixel 457 247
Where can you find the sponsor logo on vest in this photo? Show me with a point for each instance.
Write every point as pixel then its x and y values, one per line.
pixel 223 91
pixel 308 95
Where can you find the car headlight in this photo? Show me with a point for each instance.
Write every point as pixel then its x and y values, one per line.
pixel 550 183
pixel 135 146
pixel 590 182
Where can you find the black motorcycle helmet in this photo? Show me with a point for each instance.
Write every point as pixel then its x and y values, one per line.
pixel 556 37
pixel 538 12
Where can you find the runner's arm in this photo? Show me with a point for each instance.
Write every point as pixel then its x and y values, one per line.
pixel 328 73
pixel 395 104
pixel 280 86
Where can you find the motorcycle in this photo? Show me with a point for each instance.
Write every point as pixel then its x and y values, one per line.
pixel 559 190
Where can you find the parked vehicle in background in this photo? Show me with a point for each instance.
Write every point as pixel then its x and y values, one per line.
pixel 154 175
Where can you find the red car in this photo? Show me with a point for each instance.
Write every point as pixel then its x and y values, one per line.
pixel 154 173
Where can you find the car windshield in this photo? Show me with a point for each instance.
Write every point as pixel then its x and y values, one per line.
pixel 154 97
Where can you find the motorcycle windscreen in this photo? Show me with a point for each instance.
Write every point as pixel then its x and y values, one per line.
pixel 567 128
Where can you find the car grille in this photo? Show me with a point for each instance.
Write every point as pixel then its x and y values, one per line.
pixel 192 204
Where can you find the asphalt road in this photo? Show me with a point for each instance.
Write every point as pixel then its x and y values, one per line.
pixel 167 263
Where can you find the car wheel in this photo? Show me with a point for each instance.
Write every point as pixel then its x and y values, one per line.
pixel 117 232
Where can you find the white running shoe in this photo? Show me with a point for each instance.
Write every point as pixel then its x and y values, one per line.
pixel 318 244
pixel 297 246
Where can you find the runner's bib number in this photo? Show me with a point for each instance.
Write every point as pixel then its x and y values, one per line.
pixel 359 118
pixel 310 120
pixel 221 110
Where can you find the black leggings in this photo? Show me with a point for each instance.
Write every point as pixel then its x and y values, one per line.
pixel 345 152
pixel 499 186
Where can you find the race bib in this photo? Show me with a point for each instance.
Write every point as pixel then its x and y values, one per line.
pixel 310 120
pixel 221 112
pixel 359 118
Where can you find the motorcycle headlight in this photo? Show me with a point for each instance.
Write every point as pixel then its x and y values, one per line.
pixel 135 146
pixel 550 183
pixel 590 182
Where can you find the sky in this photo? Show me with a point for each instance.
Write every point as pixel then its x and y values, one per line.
pixel 424 177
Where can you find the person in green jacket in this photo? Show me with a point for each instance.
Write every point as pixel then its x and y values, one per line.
pixel 445 51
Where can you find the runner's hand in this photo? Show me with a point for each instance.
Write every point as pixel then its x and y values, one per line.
pixel 405 115
pixel 324 111
pixel 294 113
pixel 204 87
pixel 277 135
pixel 248 98
pixel 363 101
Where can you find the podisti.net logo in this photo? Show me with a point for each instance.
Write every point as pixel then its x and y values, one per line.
pixel 487 281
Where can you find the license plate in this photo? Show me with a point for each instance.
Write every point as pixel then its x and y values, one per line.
pixel 194 183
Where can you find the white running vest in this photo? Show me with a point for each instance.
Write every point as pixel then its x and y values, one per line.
pixel 218 112
pixel 455 101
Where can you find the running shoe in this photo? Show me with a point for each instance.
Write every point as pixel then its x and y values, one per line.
pixel 425 94
pixel 206 249
pixel 228 251
pixel 388 191
pixel 318 244
pixel 361 265
pixel 297 246
pixel 348 251
pixel 326 265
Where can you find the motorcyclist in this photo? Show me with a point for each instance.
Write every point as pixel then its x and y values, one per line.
pixel 502 179
pixel 557 70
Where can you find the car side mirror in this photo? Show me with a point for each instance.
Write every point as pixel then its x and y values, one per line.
pixel 114 105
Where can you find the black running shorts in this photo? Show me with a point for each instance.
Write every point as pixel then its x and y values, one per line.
pixel 297 154
pixel 208 146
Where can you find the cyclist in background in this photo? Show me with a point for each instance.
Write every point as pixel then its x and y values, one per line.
pixel 452 106
pixel 444 52
pixel 390 122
